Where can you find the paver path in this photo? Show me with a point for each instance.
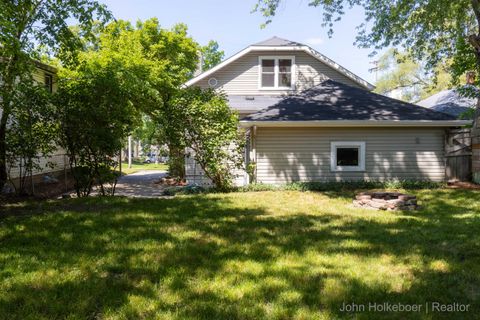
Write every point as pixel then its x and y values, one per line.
pixel 141 184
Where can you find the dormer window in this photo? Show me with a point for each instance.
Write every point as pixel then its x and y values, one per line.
pixel 276 73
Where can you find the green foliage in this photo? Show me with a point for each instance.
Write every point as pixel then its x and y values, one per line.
pixel 251 169
pixel 432 31
pixel 26 28
pixel 211 132
pixel 96 112
pixel 168 58
pixel 183 190
pixel 162 60
pixel 211 55
pixel 344 185
pixel 30 132
pixel 401 74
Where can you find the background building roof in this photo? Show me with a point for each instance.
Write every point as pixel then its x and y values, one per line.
pixel 448 101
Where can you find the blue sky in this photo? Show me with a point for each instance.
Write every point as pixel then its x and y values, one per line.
pixel 232 24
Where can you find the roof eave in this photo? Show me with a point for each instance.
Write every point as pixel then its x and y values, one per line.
pixel 357 123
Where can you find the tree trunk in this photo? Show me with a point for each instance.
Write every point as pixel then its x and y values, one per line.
pixel 475 133
pixel 3 157
pixel 176 162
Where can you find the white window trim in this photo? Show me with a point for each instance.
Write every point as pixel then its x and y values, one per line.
pixel 353 144
pixel 276 72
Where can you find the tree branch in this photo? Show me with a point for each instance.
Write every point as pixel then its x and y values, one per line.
pixel 476 11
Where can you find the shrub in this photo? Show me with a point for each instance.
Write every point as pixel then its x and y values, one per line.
pixel 190 189
pixel 344 185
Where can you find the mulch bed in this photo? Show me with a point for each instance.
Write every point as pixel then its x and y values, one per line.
pixel 171 181
pixel 463 185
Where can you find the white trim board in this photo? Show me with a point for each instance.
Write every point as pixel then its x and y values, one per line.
pixel 357 123
pixel 346 144
pixel 293 70
pixel 322 58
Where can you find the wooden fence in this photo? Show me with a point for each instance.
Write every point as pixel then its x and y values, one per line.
pixel 458 154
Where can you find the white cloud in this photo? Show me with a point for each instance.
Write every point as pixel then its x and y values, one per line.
pixel 315 41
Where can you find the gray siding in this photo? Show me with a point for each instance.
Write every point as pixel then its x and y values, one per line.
pixel 303 154
pixel 241 76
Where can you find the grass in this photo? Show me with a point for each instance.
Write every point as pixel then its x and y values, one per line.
pixel 138 166
pixel 258 255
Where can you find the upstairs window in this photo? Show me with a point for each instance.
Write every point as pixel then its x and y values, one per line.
pixel 48 82
pixel 284 73
pixel 276 72
pixel 268 73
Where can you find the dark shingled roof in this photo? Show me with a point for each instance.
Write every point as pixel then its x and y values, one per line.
pixel 332 100
pixel 278 42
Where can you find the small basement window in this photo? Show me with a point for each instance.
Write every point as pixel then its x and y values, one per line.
pixel 347 156
pixel 276 72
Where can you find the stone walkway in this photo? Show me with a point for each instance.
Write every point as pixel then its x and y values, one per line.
pixel 141 184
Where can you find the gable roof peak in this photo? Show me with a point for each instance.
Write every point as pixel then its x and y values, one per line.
pixel 278 42
pixel 287 45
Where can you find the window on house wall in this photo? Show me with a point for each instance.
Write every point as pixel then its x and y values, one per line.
pixel 347 156
pixel 284 72
pixel 48 82
pixel 268 73
pixel 276 72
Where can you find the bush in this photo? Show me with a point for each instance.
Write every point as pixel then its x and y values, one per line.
pixel 313 186
pixel 344 185
pixel 190 189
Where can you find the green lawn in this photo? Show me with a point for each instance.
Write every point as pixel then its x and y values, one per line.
pixel 264 255
pixel 137 166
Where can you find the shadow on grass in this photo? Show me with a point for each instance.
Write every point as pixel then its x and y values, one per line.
pixel 217 258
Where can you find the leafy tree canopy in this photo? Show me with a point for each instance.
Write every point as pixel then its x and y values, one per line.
pixel 163 59
pixel 408 79
pixel 432 30
pixel 96 113
pixel 211 55
pixel 28 27
pixel 210 130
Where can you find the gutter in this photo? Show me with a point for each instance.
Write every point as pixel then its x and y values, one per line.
pixel 357 123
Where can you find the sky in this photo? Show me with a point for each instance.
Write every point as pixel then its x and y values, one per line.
pixel 234 27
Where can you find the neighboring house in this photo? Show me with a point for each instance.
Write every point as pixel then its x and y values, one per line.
pixel 309 119
pixel 44 75
pixel 448 101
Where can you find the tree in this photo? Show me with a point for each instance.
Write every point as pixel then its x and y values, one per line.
pixel 409 79
pixel 211 55
pixel 170 58
pixel 31 132
pixel 433 31
pixel 26 25
pixel 96 113
pixel 211 132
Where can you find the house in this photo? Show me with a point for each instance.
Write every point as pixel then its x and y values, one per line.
pixel 449 101
pixel 54 165
pixel 310 119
